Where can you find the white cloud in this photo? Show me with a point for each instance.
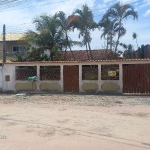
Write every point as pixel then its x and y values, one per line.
pixel 106 1
pixel 147 13
pixel 21 16
pixel 15 16
pixel 141 28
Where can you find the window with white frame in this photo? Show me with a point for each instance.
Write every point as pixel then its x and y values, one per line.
pixel 18 48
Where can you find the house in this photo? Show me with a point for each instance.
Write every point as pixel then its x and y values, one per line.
pixel 74 72
pixel 13 44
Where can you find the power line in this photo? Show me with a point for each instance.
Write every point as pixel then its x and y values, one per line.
pixel 5 2
pixel 131 3
pixel 35 6
pixel 14 4
pixel 99 10
pixel 26 27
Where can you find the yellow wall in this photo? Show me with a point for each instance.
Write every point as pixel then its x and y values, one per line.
pixel 90 87
pixel 110 87
pixel 25 86
pixel 50 87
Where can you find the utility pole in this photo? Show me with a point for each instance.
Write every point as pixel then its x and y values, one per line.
pixel 4 44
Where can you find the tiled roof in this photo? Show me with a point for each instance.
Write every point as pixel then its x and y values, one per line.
pixel 82 55
pixel 77 61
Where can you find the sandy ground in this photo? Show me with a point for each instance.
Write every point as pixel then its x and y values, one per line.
pixel 74 122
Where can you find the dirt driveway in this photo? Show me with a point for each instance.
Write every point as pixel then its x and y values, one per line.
pixel 74 122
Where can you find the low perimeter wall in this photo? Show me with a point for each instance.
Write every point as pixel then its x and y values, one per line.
pixel 9 82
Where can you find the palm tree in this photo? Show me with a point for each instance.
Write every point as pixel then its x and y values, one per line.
pixel 107 31
pixel 47 36
pixel 129 51
pixel 84 22
pixel 134 35
pixel 63 23
pixel 118 13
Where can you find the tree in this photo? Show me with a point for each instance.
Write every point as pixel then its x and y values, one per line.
pixel 107 31
pixel 47 36
pixel 63 23
pixel 118 13
pixel 129 51
pixel 84 22
pixel 134 35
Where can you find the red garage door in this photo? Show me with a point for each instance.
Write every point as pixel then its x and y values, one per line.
pixel 136 78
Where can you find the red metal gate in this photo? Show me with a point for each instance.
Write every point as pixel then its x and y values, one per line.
pixel 71 78
pixel 136 78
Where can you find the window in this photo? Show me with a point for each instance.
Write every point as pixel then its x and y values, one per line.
pixel 90 72
pixel 7 78
pixel 23 72
pixel 110 72
pixel 49 72
pixel 18 48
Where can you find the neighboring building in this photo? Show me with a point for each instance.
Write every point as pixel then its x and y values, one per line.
pixel 13 44
pixel 142 53
pixel 147 51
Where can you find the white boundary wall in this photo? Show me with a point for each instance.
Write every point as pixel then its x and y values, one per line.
pixel 9 69
pixel 1 78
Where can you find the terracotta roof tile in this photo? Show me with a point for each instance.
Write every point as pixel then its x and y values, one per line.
pixel 83 55
pixel 77 61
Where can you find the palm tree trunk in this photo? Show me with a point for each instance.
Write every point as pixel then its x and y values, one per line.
pixel 71 52
pixel 69 46
pixel 117 43
pixel 65 54
pixel 107 42
pixel 90 51
pixel 111 41
pixel 87 52
pixel 137 44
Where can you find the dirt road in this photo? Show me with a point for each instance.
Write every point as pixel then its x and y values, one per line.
pixel 74 122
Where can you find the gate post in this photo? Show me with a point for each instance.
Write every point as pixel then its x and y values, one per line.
pixel 80 78
pixel 121 77
pixel 38 77
pixel 62 77
pixel 99 77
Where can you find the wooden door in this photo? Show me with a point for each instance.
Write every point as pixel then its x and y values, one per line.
pixel 71 78
pixel 136 78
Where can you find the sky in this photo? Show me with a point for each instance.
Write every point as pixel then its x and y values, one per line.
pixel 18 18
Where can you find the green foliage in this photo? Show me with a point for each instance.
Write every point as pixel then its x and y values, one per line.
pixel 48 36
pixel 82 19
pixel 129 52
pixel 117 14
pixel 18 57
pixel 134 35
pixel 52 32
pixel 141 51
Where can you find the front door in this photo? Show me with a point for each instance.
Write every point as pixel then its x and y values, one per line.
pixel 71 78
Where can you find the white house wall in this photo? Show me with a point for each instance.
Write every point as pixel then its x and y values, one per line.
pixel 8 85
